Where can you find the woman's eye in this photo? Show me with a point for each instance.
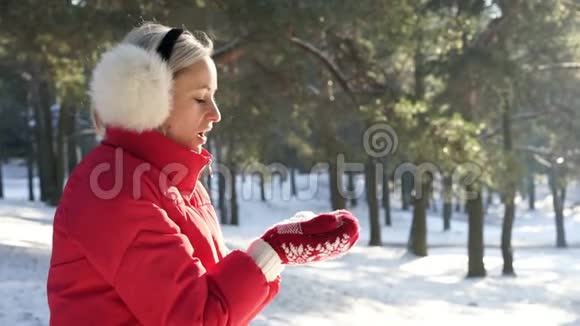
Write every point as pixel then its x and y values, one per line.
pixel 200 100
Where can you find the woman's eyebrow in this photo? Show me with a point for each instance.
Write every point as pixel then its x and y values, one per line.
pixel 197 89
pixel 204 87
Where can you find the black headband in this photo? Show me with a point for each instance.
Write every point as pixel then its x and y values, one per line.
pixel 164 49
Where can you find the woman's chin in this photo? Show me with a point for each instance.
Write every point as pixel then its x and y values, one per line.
pixel 196 148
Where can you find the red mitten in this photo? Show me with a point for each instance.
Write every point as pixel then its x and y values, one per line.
pixel 306 239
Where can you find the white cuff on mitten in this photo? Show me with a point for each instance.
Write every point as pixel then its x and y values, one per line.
pixel 266 258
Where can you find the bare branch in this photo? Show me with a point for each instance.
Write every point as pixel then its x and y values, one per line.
pixel 543 152
pixel 529 115
pixel 571 4
pixel 328 62
pixel 227 48
pixel 559 66
pixel 541 160
pixel 516 118
pixel 277 75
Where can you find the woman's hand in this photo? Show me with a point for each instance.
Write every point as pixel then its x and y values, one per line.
pixel 305 238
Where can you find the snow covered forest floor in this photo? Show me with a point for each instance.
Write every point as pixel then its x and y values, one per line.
pixel 369 286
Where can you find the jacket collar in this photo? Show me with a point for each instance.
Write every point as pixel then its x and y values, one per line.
pixel 181 165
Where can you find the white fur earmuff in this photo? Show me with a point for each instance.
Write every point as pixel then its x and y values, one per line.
pixel 131 88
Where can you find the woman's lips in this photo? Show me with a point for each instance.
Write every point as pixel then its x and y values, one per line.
pixel 201 136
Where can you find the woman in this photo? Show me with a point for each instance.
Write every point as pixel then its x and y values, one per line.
pixel 136 240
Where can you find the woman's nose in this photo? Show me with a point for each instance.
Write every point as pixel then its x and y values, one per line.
pixel 215 114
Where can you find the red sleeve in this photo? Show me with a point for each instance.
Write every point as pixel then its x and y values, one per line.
pixel 152 266
pixel 273 289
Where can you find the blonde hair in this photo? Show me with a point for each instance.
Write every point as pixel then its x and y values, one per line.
pixel 189 48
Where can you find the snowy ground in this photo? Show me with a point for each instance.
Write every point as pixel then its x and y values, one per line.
pixel 369 286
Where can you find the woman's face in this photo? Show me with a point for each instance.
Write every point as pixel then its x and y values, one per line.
pixel 194 109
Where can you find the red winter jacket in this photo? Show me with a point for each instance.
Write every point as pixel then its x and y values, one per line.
pixel 129 249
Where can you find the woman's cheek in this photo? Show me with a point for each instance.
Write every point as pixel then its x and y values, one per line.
pixel 195 114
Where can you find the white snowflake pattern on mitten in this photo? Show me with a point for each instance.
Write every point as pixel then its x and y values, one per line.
pixel 303 254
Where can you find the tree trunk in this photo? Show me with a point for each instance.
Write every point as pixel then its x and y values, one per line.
pixel 560 229
pixel 509 197
pixel 372 201
pixel 221 187
pixel 222 198
pixel 562 243
pixel 41 99
pixel 558 205
pixel 282 178
pixel 262 186
pixel 489 200
pixel 36 105
pixel 74 149
pixel 65 125
pixel 563 194
pixel 506 237
pixel 293 182
pixel 234 218
pixel 30 165
pixel 1 178
pixel 407 183
pixel 531 192
pixel 351 189
pixel 47 100
pixel 208 183
pixel 475 248
pixel 417 244
pixel 336 199
pixel 447 201
pixel 386 196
